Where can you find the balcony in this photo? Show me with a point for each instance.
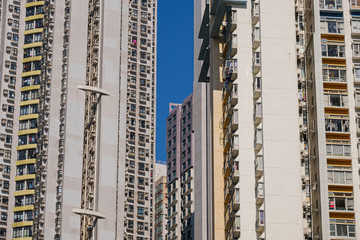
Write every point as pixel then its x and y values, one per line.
pixel 258 139
pixel 256 63
pixel 234 95
pixel 260 221
pixel 256 37
pixel 230 47
pixel 257 87
pixel 341 203
pixel 339 176
pixel 335 73
pixel 356 51
pixel 357 100
pixel 234 122
pixel 332 49
pixel 232 208
pixel 333 5
pixel 355 27
pixel 342 228
pixel 337 125
pixel 235 200
pixel 236 228
pixel 258 114
pixel 233 20
pixel 357 74
pixel 330 25
pixel 259 193
pixel 255 12
pixel 218 9
pixel 234 45
pixel 338 150
pixel 227 112
pixel 228 189
pixel 231 143
pixel 259 166
pixel 335 101
pixel 355 5
pixel 230 72
pixel 235 173
pixel 234 146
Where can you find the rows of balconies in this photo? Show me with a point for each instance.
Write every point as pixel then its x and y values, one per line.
pixel 9 76
pixel 230 122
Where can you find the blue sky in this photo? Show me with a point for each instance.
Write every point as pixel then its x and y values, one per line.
pixel 174 61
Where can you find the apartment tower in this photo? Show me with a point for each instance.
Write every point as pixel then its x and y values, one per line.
pixel 251 63
pixel 160 202
pixel 9 72
pixel 332 74
pixel 180 171
pixel 79 93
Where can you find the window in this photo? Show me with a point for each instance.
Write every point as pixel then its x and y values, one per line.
pixel 13 66
pixel 338 150
pixel 17 232
pixel 342 228
pixel 134 26
pixel 332 49
pixel 141 166
pixel 339 177
pixel 7 169
pixel 27 231
pixel 336 123
pixel 134 54
pixel 22 140
pixel 8 139
pixel 331 25
pixel 330 4
pixel 20 185
pixel 140 211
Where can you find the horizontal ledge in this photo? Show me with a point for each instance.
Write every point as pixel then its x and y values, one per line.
pixel 93 89
pixel 89 213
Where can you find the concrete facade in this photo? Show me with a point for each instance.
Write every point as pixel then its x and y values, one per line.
pixel 249 60
pixel 180 170
pixel 332 78
pixel 78 84
pixel 160 202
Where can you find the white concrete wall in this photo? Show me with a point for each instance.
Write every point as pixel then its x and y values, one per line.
pixel 282 177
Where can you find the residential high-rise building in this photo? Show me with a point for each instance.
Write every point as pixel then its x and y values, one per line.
pixel 9 72
pixel 180 170
pixel 332 74
pixel 78 90
pixel 160 202
pixel 255 153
